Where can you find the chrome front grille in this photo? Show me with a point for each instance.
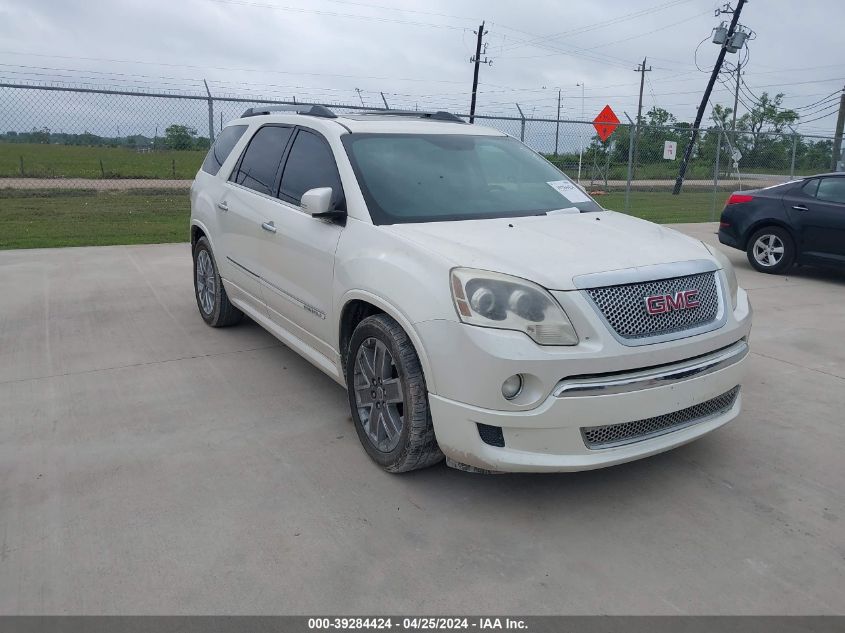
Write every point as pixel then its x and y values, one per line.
pixel 611 435
pixel 624 306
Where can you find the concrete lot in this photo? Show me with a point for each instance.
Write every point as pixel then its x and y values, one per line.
pixel 150 464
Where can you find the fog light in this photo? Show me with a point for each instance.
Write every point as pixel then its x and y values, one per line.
pixel 512 387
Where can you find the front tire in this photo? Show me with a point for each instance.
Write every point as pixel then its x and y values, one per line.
pixel 771 250
pixel 212 300
pixel 389 398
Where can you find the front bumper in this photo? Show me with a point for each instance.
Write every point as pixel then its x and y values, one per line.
pixel 596 383
pixel 549 438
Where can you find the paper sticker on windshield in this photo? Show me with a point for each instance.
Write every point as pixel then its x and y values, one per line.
pixel 569 190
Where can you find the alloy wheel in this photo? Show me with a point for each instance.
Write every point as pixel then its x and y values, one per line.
pixel 379 396
pixel 206 282
pixel 768 250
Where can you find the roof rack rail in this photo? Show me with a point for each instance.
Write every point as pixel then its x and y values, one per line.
pixel 312 110
pixel 440 115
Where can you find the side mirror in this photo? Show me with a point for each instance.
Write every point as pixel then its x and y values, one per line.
pixel 317 202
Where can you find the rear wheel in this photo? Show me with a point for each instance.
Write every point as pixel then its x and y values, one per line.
pixel 212 301
pixel 771 250
pixel 388 397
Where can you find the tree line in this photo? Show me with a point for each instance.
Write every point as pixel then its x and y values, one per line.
pixel 176 137
pixel 763 137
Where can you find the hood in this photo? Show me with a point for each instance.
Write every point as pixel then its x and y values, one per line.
pixel 551 250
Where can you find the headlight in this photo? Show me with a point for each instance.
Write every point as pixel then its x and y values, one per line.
pixel 500 301
pixel 730 273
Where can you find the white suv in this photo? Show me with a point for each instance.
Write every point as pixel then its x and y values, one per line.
pixel 473 300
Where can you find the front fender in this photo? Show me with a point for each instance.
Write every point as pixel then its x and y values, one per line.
pixel 400 278
pixel 403 320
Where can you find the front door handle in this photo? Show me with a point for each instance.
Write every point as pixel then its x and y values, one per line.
pixel 223 206
pixel 268 226
pixel 800 207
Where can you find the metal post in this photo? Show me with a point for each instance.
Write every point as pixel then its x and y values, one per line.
pixel 792 165
pixel 716 175
pixel 630 159
pixel 557 122
pixel 386 107
pixel 210 114
pixel 580 137
pixel 522 124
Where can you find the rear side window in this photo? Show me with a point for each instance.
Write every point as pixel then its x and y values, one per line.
pixel 810 187
pixel 831 190
pixel 222 147
pixel 310 164
pixel 260 162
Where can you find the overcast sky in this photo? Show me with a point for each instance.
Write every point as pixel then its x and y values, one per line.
pixel 418 53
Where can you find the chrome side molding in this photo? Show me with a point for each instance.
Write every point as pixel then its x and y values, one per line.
pixel 654 377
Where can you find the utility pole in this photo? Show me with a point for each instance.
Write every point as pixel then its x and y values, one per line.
pixel 477 60
pixel 358 90
pixel 706 97
pixel 386 107
pixel 837 138
pixel 557 121
pixel 736 97
pixel 642 70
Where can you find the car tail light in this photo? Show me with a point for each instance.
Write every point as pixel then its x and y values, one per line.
pixel 724 225
pixel 739 198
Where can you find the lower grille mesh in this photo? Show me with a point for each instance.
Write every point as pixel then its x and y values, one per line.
pixel 611 435
pixel 491 435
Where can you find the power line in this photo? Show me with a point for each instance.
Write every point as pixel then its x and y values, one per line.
pixel 598 25
pixel 225 68
pixel 606 44
pixel 354 16
pixel 830 110
pixel 832 94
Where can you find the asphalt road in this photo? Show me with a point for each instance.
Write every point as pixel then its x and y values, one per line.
pixel 152 465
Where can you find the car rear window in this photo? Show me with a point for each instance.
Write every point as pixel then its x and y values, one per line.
pixel 810 187
pixel 261 160
pixel 831 190
pixel 222 147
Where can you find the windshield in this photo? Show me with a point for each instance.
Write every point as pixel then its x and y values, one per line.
pixel 439 177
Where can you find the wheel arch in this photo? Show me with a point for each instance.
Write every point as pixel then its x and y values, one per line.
pixel 765 222
pixel 356 305
pixel 198 230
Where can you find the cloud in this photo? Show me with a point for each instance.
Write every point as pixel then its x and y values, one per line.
pixel 419 55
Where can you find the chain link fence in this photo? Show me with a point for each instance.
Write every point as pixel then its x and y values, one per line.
pixel 130 157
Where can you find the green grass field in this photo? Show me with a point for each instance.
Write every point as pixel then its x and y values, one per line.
pixel 84 217
pixel 71 161
pixel 663 207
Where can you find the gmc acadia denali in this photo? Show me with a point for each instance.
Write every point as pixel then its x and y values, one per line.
pixel 474 301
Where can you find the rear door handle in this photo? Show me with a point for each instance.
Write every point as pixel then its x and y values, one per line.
pixel 223 206
pixel 268 226
pixel 800 207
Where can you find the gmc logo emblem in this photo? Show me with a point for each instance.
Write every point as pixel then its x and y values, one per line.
pixel 661 304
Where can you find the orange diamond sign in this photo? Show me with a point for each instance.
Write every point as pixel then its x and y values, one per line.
pixel 605 123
